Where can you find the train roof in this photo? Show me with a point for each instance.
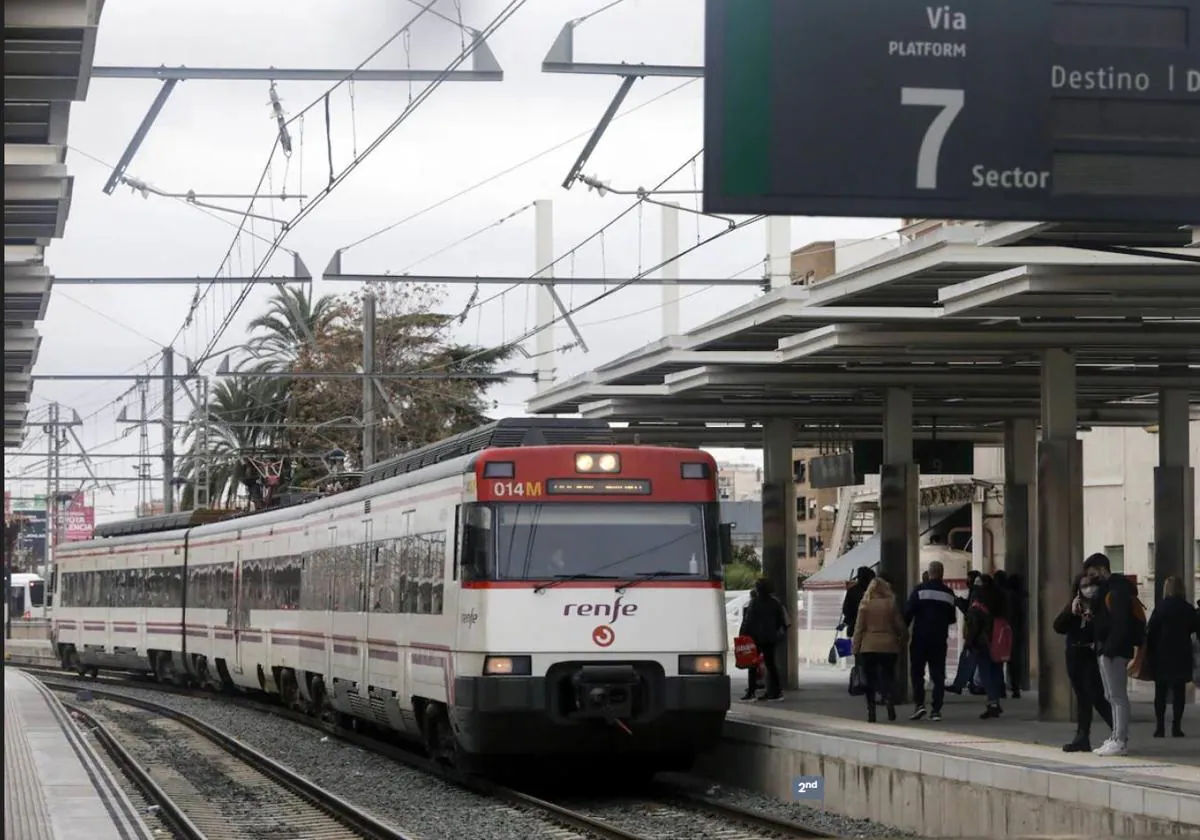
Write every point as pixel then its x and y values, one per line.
pixel 504 433
pixel 507 432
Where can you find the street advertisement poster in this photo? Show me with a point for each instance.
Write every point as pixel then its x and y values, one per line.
pixel 81 520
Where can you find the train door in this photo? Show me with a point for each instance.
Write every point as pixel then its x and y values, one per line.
pixel 367 602
pixel 238 622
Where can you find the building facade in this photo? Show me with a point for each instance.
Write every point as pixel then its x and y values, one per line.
pixel 816 513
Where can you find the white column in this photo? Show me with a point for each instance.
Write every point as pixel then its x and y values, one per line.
pixel 544 255
pixel 670 271
pixel 779 251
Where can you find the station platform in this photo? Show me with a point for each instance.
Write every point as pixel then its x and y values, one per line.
pixel 30 652
pixel 962 776
pixel 55 786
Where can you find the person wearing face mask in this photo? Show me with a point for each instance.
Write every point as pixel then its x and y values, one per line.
pixel 1083 668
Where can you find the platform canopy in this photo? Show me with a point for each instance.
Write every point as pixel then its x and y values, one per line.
pixel 960 314
pixel 48 49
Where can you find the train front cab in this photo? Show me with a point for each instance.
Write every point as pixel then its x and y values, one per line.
pixel 660 692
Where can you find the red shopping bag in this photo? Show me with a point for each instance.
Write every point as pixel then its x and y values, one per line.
pixel 745 652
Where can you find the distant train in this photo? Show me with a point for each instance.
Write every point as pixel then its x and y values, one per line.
pixel 524 590
pixel 26 595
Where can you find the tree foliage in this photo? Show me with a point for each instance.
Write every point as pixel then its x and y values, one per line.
pixel 307 418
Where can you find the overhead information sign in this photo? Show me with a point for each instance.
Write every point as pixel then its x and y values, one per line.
pixel 1039 110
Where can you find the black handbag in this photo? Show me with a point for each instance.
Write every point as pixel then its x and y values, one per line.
pixel 858 686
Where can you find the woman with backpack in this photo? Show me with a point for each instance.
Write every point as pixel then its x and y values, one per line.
pixel 1169 654
pixel 988 634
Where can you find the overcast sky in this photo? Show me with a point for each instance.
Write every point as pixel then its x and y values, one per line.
pixel 215 137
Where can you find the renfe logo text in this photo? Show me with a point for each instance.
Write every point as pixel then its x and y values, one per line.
pixel 611 611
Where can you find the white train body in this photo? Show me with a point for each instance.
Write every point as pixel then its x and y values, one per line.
pixel 355 604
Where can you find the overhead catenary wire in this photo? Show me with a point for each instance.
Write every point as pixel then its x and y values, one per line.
pixel 509 170
pixel 511 9
pixel 276 242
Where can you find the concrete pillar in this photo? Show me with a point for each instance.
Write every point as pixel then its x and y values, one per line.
pixel 899 497
pixel 779 533
pixel 779 251
pixel 1174 496
pixel 1020 477
pixel 543 255
pixel 1059 526
pixel 670 271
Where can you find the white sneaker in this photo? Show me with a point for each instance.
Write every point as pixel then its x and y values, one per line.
pixel 1112 748
pixel 1103 746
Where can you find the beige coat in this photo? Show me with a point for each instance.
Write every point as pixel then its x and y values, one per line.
pixel 880 627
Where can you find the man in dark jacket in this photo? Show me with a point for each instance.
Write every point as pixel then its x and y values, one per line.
pixel 930 613
pixel 1117 633
pixel 854 596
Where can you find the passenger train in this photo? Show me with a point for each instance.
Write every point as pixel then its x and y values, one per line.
pixel 529 589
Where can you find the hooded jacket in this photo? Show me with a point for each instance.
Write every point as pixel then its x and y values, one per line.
pixel 1116 633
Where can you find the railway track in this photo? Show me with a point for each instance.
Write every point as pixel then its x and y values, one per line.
pixel 656 816
pixel 211 787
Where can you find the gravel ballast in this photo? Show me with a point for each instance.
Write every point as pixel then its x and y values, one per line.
pixel 432 809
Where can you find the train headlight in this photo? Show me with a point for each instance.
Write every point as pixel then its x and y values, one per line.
pixel 593 462
pixel 692 665
pixel 507 666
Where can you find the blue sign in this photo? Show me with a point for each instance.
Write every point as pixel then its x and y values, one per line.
pixel 808 787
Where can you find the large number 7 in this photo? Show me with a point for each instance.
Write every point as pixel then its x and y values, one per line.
pixel 951 102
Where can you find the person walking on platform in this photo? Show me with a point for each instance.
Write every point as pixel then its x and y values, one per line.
pixel 766 622
pixel 1083 669
pixel 879 636
pixel 1169 654
pixel 983 635
pixel 964 673
pixel 854 596
pixel 1119 631
pixel 930 613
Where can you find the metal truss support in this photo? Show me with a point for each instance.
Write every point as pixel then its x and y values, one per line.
pixel 300 274
pixel 164 93
pixel 512 281
pixel 498 376
pixel 484 68
pixel 598 131
pixel 561 59
pixel 103 377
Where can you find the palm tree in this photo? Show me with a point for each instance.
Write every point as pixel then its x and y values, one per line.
pixel 244 415
pixel 292 320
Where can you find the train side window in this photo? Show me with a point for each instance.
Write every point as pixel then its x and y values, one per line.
pixel 476 543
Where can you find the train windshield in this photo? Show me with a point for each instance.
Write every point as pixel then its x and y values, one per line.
pixel 37 592
pixel 609 540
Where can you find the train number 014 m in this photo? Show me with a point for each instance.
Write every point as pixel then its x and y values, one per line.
pixel 517 488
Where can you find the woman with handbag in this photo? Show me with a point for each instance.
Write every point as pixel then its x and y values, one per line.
pixel 880 633
pixel 766 622
pixel 1169 634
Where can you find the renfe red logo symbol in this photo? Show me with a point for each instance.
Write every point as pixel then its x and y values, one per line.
pixel 603 636
pixel 611 611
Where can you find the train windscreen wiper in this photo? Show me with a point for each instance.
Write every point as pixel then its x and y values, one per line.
pixel 542 587
pixel 645 576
